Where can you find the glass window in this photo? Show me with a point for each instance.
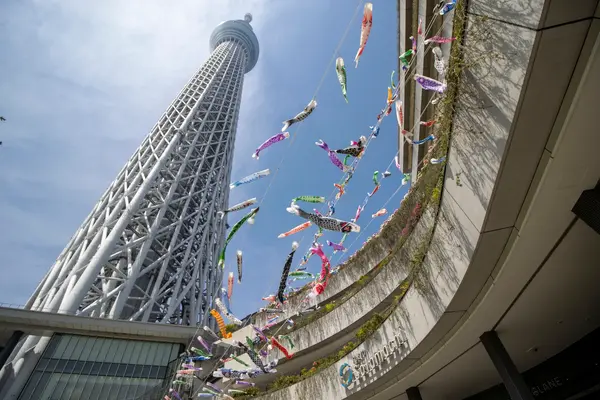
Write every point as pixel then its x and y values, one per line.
pixel 63 343
pixel 68 352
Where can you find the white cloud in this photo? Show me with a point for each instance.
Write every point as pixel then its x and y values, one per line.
pixel 83 83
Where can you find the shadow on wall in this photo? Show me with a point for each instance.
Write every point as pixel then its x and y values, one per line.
pixel 492 72
pixel 449 247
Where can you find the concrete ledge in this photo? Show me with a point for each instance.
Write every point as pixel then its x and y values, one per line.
pixel 38 323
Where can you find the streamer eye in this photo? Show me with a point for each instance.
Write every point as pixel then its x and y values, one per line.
pixel 346 229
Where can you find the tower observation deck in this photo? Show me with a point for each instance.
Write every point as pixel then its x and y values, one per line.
pixel 148 250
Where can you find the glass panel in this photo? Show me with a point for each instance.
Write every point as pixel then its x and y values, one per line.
pixel 89 344
pixel 68 352
pixel 63 343
pixel 31 385
pixel 78 348
pixel 95 349
pixel 105 349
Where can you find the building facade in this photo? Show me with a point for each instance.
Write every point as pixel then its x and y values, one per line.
pixel 148 250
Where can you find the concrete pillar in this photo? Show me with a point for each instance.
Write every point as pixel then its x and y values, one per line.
pixel 413 393
pixel 10 346
pixel 512 379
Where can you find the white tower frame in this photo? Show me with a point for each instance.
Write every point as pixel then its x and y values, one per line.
pixel 148 250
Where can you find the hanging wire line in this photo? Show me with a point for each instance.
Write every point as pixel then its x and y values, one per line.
pixel 316 92
pixel 353 166
pixel 408 75
pixel 424 160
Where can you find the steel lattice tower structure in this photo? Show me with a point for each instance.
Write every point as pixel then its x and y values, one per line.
pixel 148 250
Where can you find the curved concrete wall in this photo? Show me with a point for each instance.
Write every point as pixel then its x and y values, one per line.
pixel 353 269
pixel 369 297
pixel 476 216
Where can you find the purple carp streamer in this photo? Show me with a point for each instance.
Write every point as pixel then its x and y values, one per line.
pixel 285 272
pixel 430 84
pixel 269 142
pixel 239 265
pixel 332 157
pixel 328 223
pixel 250 178
pixel 237 207
pixel 336 246
pixel 340 70
pixel 301 116
pixel 365 30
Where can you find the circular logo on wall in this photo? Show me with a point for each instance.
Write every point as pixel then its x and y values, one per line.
pixel 346 375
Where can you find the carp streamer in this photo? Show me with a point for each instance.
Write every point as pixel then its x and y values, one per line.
pixel 285 272
pixel 269 142
pixel 227 314
pixel 332 157
pixel 301 116
pixel 236 227
pixel 297 229
pixel 340 70
pixel 365 30
pixel 230 286
pixel 237 207
pixel 220 323
pixel 430 84
pixel 239 265
pixel 328 223
pixel 281 348
pixel 250 178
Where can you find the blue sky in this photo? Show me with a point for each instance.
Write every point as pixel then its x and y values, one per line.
pixel 82 85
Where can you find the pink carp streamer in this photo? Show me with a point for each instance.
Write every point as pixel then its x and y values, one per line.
pixel 230 285
pixel 297 229
pixel 269 142
pixel 379 213
pixel 332 157
pixel 399 114
pixel 365 30
pixel 430 84
pixel 439 39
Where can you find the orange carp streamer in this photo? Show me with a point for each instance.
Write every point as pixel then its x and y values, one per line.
pixel 221 323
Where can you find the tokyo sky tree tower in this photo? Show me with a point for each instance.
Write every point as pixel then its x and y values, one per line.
pixel 148 250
